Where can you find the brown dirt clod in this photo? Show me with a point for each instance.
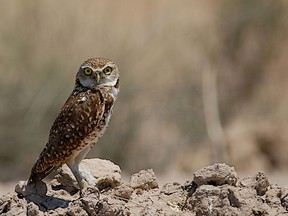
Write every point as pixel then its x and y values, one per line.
pixel 216 191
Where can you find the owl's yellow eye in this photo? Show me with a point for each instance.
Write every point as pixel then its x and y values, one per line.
pixel 107 70
pixel 88 71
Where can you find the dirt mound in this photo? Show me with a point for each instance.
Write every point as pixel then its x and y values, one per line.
pixel 213 190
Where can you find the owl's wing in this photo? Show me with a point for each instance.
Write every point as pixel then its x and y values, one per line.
pixel 78 117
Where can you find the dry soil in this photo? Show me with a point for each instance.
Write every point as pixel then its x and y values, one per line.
pixel 212 190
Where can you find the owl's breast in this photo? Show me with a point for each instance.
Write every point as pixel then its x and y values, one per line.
pixel 83 120
pixel 98 121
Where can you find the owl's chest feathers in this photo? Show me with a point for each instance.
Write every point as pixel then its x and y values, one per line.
pixel 99 107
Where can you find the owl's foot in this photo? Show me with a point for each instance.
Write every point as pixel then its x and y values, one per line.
pixel 86 190
pixel 86 181
pixel 86 174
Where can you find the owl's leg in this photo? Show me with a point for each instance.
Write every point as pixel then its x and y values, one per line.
pixel 74 167
pixel 84 185
pixel 86 174
pixel 83 176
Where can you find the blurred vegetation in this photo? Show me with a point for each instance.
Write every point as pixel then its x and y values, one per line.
pixel 162 49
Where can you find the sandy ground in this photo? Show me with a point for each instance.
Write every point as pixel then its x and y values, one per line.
pixel 212 190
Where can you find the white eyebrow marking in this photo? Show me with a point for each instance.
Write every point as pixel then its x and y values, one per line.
pixel 86 65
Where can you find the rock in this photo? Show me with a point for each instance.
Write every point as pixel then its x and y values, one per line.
pixel 262 184
pixel 107 174
pixel 217 174
pixel 90 202
pixel 67 180
pixel 213 191
pixel 247 182
pixel 171 188
pixel 33 210
pixel 25 190
pixel 108 206
pixel 145 180
pixel 205 200
pixel 123 192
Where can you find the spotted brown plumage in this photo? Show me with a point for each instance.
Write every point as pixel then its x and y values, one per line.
pixel 81 122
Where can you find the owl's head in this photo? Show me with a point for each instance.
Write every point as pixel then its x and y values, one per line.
pixel 98 72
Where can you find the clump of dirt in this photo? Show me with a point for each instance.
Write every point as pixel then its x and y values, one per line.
pixel 213 190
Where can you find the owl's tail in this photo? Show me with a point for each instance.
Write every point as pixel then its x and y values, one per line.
pixel 36 176
pixel 34 184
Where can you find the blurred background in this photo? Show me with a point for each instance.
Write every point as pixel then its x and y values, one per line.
pixel 201 81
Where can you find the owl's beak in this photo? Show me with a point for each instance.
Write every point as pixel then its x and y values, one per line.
pixel 98 77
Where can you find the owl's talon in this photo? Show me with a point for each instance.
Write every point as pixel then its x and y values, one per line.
pixel 89 190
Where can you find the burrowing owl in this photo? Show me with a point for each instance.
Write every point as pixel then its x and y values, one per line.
pixel 81 122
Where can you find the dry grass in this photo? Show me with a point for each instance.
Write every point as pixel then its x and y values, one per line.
pixel 161 49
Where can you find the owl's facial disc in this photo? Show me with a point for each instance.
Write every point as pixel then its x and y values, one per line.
pixel 86 76
pixel 106 75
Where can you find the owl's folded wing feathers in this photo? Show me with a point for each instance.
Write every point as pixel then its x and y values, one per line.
pixel 78 117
